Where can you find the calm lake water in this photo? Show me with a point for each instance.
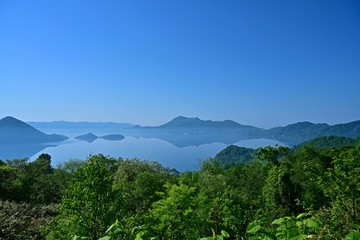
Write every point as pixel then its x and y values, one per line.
pixel 152 149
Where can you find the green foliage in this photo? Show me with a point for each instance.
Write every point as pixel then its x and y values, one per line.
pixel 297 228
pixel 135 186
pixel 220 204
pixel 86 207
pixel 330 142
pixel 342 186
pixel 24 220
pixel 115 231
pixel 352 236
pixel 256 200
pixel 235 155
pixel 174 216
pixel 272 154
pixel 222 236
pixel 34 182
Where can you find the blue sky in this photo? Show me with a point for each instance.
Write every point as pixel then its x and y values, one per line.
pixel 264 63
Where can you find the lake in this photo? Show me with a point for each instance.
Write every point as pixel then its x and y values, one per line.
pixel 152 149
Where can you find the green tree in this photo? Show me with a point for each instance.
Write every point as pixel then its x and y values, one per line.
pixel 342 186
pixel 279 192
pixel 175 216
pixel 136 184
pixel 86 207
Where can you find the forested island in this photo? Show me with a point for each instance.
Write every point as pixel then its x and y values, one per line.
pixel 311 191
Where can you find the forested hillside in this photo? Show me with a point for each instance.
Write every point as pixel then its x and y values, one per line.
pixel 300 193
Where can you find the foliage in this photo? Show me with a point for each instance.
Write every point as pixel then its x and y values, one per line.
pixel 135 187
pixel 262 199
pixel 174 216
pixel 86 207
pixel 223 235
pixel 235 155
pixel 35 182
pixel 297 228
pixel 330 142
pixel 342 185
pixel 24 220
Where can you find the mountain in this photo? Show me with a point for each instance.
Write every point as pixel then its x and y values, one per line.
pixel 194 126
pixel 351 129
pixel 185 122
pixel 13 130
pixel 304 131
pixel 184 132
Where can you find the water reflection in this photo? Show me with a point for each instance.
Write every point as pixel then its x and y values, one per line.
pixel 153 149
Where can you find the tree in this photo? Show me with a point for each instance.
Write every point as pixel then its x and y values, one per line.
pixel 136 184
pixel 86 207
pixel 342 186
pixel 280 193
pixel 174 216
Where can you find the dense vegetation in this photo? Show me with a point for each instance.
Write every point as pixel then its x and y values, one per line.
pixel 298 193
pixel 331 142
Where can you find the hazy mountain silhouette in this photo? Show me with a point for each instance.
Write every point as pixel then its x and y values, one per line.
pixel 180 131
pixel 183 131
pixel 184 122
pixel 304 131
pixel 89 137
pixel 13 130
pixel 79 125
pixel 113 137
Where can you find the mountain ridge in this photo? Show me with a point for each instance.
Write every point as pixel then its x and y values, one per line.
pixel 202 131
pixel 77 125
pixel 303 131
pixel 194 122
pixel 13 130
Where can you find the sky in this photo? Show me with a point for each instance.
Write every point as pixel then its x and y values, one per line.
pixel 261 63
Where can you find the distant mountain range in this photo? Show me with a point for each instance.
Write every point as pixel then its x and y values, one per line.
pixel 184 122
pixel 303 131
pixel 193 129
pixel 181 131
pixel 79 125
pixel 13 130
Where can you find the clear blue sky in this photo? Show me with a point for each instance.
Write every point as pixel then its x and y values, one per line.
pixel 264 63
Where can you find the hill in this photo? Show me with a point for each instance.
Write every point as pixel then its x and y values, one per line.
pixel 235 155
pixel 304 131
pixel 113 137
pixel 330 142
pixel 89 137
pixel 13 130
